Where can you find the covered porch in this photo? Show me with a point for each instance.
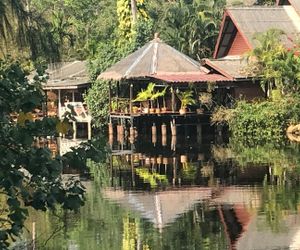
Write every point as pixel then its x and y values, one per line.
pixel 158 84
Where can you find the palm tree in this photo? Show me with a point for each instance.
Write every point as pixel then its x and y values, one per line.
pixel 267 59
pixel 193 27
pixel 26 29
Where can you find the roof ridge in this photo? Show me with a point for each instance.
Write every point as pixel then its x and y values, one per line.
pixel 256 7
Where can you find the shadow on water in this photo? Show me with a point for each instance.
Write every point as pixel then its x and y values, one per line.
pixel 179 193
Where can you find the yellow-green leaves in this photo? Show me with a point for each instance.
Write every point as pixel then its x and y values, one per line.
pixel 23 117
pixel 62 127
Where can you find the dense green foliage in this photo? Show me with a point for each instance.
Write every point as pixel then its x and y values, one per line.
pixel 97 100
pixel 30 175
pixel 192 26
pixel 276 66
pixel 266 120
pixel 279 73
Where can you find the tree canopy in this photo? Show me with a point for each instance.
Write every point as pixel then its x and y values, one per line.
pixel 30 175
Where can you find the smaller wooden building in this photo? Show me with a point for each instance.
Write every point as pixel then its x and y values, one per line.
pixel 67 83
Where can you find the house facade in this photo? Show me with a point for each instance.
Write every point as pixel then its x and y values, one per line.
pixel 67 83
pixel 237 37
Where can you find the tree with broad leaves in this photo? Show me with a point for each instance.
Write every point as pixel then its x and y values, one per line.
pixel 29 174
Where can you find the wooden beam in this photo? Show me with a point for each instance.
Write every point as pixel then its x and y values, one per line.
pixel 130 98
pixel 59 103
pixel 109 97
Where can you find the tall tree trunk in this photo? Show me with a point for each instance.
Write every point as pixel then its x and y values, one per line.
pixel 133 11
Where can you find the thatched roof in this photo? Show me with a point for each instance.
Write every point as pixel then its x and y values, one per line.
pixel 161 208
pixel 158 60
pixel 67 75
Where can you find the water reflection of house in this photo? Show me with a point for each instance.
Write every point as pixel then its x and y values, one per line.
pixel 65 87
pixel 238 210
pixel 259 236
pixel 164 207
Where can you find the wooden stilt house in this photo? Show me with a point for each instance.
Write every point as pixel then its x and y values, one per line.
pixel 65 88
pixel 173 75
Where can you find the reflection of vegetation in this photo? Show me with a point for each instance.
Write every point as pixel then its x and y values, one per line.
pixel 189 171
pixel 277 203
pixel 132 235
pixel 287 157
pixel 221 153
pixel 154 179
pixel 200 228
pixel 280 194
pixel 100 173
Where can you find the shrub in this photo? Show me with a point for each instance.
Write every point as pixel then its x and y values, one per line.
pixel 266 120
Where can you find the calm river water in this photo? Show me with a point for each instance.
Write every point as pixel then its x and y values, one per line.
pixel 180 194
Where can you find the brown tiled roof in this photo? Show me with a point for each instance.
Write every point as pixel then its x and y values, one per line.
pixel 196 78
pixel 230 67
pixel 253 20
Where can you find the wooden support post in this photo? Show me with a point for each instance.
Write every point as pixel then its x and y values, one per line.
pixel 154 134
pixel 110 129
pixel 110 140
pixel 89 130
pixel 33 236
pixel 131 135
pixel 173 100
pixel 165 162
pixel 173 143
pixel 109 97
pixel 132 170
pixel 117 94
pixel 59 103
pixel 130 98
pixel 135 132
pixel 153 129
pixel 199 133
pixel 164 140
pixel 73 96
pixel 120 129
pixel 131 132
pixel 174 170
pixel 164 129
pixel 74 130
pixel 154 139
pixel 173 128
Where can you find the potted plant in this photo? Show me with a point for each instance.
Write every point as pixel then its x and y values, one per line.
pixel 114 106
pixel 186 99
pixel 135 109
pixel 145 95
pixel 205 99
pixel 155 96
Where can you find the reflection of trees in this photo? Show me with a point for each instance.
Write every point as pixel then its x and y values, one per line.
pixel 153 178
pixel 280 192
pixel 100 173
pixel 278 202
pixel 283 161
pixel 200 228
